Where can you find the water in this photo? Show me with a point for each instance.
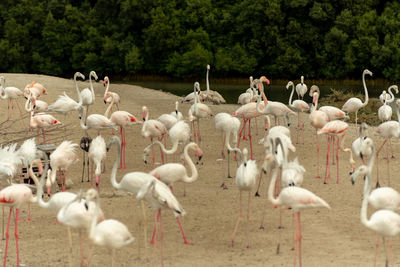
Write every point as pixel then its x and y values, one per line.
pixel 275 92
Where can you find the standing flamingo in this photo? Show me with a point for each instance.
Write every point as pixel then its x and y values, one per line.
pixel 385 222
pixel 109 96
pixel 196 112
pixel 95 121
pixel 301 88
pixel 41 121
pixel 295 197
pixel 178 115
pixel 354 103
pixel 160 196
pixel 178 134
pixel 84 144
pixel 109 233
pixel 11 94
pixel 61 158
pixel 387 130
pixel 318 119
pixel 334 128
pixel 385 111
pixel 97 155
pixel 212 95
pixel 299 106
pixel 122 119
pixel 228 125
pixel 246 176
pixel 249 111
pixel 357 145
pixel 87 96
pixel 152 129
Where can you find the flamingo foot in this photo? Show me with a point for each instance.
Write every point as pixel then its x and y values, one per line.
pixel 257 194
pixel 188 242
pixel 224 186
pixel 318 176
pixel 261 227
pixel 393 157
pixel 229 176
pixel 248 246
pixel 231 243
pixel 377 185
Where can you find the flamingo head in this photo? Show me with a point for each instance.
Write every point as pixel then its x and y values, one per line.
pixel 106 97
pixel 198 152
pixel 366 71
pixel 144 113
pixel 264 79
pixel 44 91
pixel 105 81
pixel 362 170
pixel 93 73
pixel 91 194
pixel 208 66
pixel 290 83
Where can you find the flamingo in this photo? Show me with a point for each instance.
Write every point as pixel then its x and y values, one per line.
pixel 160 196
pixel 11 94
pixel 97 155
pixel 152 129
pixel 196 112
pixel 191 97
pixel 295 197
pixel 87 96
pixel 318 119
pixel 212 95
pixel 122 119
pixel 95 121
pixel 41 121
pixel 64 103
pixel 109 233
pixel 246 176
pixel 61 158
pixel 385 111
pixel 228 125
pixel 354 103
pixel 78 214
pixel 301 88
pixel 387 130
pixel 334 128
pixel 179 133
pixel 385 222
pixel 10 162
pixel 109 96
pixel 249 111
pixel 168 120
pixel 178 115
pixel 299 106
pixel 36 105
pixel 34 88
pixel 248 96
pixel 357 144
pixel 84 144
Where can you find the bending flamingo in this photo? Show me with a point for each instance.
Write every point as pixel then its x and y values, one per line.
pixel 41 121
pixel 97 155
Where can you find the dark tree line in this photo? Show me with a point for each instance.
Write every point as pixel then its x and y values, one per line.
pixel 279 38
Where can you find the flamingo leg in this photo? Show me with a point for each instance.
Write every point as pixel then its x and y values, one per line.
pixel 377 163
pixel 16 233
pixel 298 238
pixel 387 162
pixel 165 145
pixel 7 237
pixel 248 221
pixel 327 159
pixel 161 240
pixel 376 248
pixel 229 168
pixel 157 216
pixel 198 130
pixel 333 149
pixel 255 119
pixel 70 245
pixel 318 170
pixel 337 159
pixel 391 148
pixel 81 247
pixel 238 220
pixel 87 164
pixel 124 135
pixel 240 133
pixel 391 251
pixel 152 150
pixel 259 183
pixel 251 147
pixel 122 148
pixel 298 127
pixel 183 233
pixel 91 176
pixel 302 130
pixel 145 225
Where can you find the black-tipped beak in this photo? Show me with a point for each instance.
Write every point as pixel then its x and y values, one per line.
pixel 145 161
pixel 105 102
pixel 352 181
pixel 245 164
pixel 361 156
pixel 200 157
pixel 265 171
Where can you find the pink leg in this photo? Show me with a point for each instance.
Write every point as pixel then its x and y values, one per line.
pixel 391 251
pixel 29 212
pixel 388 161
pixel 376 248
pixel 298 127
pixel 327 159
pixel 337 159
pixel 377 163
pixel 248 221
pixel 161 240
pixel 318 176
pixel 7 237
pixel 165 145
pixel 81 247
pixel 152 149
pixel 198 130
pixel 64 180
pixel 333 149
pixel 16 233
pixel 91 175
pixel 124 135
pixel 238 220
pixel 157 216
pixel 121 159
pixel 251 147
pixel 183 233
pixel 302 130
pixel 298 238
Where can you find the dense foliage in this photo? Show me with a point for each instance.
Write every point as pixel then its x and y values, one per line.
pixel 279 38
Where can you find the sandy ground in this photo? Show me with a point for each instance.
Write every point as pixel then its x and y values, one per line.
pixel 333 237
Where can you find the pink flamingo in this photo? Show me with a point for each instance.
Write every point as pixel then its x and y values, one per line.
pixel 41 121
pixel 97 155
pixel 86 97
pixel 173 172
pixel 333 128
pixel 109 96
pixel 196 112
pixel 301 88
pixel 299 106
pixel 249 111
pixel 35 105
pixel 318 119
pixel 122 119
pixel 228 125
pixel 160 196
pixel 246 176
pixel 109 233
pixel 387 130
pixel 11 94
pixel 34 88
pixel 295 197
pixel 385 222
pixel 95 121
pixel 152 129
pixel 60 159
pixel 354 103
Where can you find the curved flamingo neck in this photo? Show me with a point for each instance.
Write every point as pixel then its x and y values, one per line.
pixel 77 89
pixel 391 94
pixel 207 81
pixel 113 176
pixel 91 86
pixel 107 86
pixel 291 95
pixel 274 201
pixel 83 126
pixel 189 161
pixel 108 111
pixel 173 149
pixel 366 91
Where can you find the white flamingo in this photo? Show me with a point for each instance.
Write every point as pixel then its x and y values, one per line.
pixel 97 156
pixel 87 96
pixel 11 94
pixel 178 115
pixel 196 112
pixel 301 88
pixel 299 106
pixel 109 96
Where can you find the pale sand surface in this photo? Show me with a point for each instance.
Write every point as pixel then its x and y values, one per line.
pixel 333 237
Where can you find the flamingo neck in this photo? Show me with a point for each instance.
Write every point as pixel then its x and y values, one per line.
pixel 189 161
pixel 291 95
pixel 113 177
pixel 83 126
pixel 91 87
pixel 107 86
pixel 274 201
pixel 366 91
pixel 108 111
pixel 207 81
pixel 77 89
pixel 391 95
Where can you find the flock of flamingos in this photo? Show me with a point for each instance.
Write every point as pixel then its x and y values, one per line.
pixel 82 210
